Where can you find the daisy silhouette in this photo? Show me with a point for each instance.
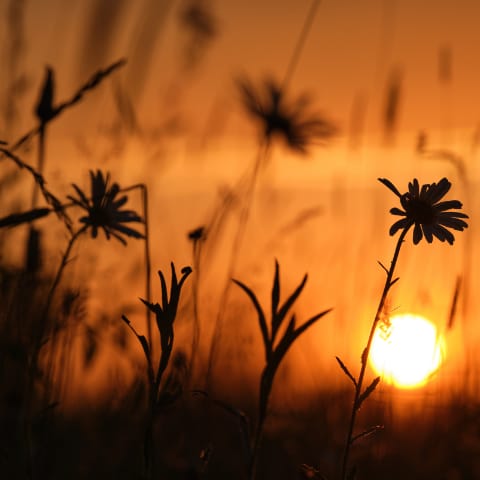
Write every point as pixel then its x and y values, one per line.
pixel 423 209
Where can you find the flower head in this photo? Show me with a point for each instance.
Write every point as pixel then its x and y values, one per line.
pixel 423 209
pixel 104 209
pixel 288 121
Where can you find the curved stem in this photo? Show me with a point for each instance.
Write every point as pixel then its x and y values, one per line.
pixel 366 352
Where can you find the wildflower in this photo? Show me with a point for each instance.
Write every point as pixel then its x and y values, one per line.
pixel 104 209
pixel 288 121
pixel 423 209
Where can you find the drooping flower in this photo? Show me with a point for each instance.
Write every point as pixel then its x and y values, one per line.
pixel 290 121
pixel 423 209
pixel 104 209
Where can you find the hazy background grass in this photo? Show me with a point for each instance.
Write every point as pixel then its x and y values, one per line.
pixel 178 127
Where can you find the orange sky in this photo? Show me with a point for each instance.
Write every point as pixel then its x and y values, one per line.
pixel 352 47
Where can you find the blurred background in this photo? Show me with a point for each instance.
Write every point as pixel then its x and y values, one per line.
pixel 399 80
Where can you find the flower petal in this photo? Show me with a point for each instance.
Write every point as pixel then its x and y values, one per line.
pixel 397 211
pixel 417 234
pixel 413 188
pixel 428 232
pixel 439 190
pixel 454 223
pixel 452 215
pixel 400 224
pixel 447 205
pixel 443 234
pixel 390 185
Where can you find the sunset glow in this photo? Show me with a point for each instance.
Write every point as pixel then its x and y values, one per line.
pixel 408 351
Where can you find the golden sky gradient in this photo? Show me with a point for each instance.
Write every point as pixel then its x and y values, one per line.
pixel 349 54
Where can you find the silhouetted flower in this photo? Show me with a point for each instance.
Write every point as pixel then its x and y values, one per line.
pixel 423 209
pixel 104 209
pixel 291 121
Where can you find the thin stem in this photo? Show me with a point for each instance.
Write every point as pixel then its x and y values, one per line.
pixel 262 155
pixel 300 43
pixel 148 261
pixel 38 345
pixel 91 84
pixel 148 266
pixel 42 133
pixel 60 270
pixel 266 383
pixel 366 353
pixel 256 447
pixel 196 319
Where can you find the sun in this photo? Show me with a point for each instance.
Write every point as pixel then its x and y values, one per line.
pixel 408 351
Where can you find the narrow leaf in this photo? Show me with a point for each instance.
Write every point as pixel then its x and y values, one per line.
pixel 367 392
pixel 276 290
pixel 164 291
pixel 173 286
pixel 155 308
pixel 310 322
pixel 186 271
pixel 26 217
pixel 145 348
pixel 261 317
pixel 383 266
pixel 346 371
pixel 282 313
pixel 394 281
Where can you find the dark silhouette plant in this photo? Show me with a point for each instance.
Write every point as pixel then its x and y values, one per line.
pixel 276 347
pixel 165 314
pixel 429 217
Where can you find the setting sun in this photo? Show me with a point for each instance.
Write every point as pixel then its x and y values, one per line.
pixel 408 351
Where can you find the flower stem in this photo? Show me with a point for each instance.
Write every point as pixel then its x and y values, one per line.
pixel 358 388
